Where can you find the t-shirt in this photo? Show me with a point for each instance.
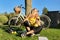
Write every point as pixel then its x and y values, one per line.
pixel 37 23
pixel 33 21
pixel 19 15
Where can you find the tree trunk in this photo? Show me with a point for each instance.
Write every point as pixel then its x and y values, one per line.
pixel 28 6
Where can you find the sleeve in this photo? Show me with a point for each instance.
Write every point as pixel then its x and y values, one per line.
pixel 38 18
pixel 22 16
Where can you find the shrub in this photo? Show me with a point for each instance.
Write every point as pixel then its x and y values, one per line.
pixel 3 19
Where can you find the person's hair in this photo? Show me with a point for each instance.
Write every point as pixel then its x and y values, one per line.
pixel 33 10
pixel 17 7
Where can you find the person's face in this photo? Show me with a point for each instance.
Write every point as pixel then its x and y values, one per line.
pixel 35 12
pixel 17 10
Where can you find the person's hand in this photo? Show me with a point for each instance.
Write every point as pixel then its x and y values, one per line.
pixel 25 16
pixel 28 28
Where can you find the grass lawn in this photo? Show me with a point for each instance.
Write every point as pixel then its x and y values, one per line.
pixel 51 34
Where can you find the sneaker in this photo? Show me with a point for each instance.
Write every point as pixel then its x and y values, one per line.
pixel 33 34
pixel 23 35
pixel 38 35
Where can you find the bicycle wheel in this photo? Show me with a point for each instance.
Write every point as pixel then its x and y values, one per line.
pixel 15 21
pixel 46 21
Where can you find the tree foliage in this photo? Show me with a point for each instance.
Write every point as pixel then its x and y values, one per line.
pixel 45 10
pixel 3 19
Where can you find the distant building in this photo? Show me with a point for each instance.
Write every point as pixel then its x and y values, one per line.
pixel 55 17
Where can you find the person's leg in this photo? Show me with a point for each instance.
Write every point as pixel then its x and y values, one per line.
pixel 26 24
pixel 28 29
pixel 30 32
pixel 34 31
pixel 37 29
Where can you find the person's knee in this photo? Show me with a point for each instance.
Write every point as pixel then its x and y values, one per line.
pixel 38 30
pixel 26 23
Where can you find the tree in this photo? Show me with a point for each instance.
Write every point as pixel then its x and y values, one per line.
pixel 28 6
pixel 45 10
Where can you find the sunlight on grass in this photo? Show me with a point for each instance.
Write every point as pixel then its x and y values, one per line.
pixel 51 34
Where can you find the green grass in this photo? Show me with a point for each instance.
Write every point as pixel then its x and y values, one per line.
pixel 51 34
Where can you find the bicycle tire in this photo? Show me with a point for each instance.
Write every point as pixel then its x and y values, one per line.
pixel 46 20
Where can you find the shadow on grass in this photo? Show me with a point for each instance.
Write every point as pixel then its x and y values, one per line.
pixel 18 30
pixel 5 27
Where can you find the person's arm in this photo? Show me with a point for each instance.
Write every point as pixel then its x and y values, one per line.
pixel 22 16
pixel 28 28
pixel 27 17
pixel 38 21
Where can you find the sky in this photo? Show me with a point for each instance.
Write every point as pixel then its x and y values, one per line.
pixel 8 5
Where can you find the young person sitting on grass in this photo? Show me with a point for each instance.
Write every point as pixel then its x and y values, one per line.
pixel 17 11
pixel 32 23
pixel 17 14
